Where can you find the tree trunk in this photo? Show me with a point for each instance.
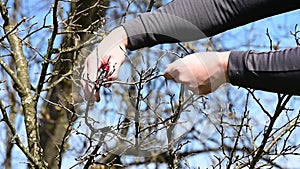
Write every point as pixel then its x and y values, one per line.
pixel 54 119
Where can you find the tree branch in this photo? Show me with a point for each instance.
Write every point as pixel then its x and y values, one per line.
pixel 28 104
pixel 34 161
pixel 45 64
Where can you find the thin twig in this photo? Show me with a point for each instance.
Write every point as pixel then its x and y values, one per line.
pixel 282 101
pixel 270 39
pixel 13 29
pixel 151 3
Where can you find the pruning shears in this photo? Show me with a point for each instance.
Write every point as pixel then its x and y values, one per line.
pixel 103 75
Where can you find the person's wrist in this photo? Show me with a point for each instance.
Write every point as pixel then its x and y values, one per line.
pixel 224 57
pixel 123 36
pixel 119 41
pixel 125 42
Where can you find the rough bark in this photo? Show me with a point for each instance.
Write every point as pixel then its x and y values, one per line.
pixel 54 119
pixel 22 84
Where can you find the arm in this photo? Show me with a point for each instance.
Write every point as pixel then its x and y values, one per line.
pixel 180 20
pixel 275 71
pixel 186 20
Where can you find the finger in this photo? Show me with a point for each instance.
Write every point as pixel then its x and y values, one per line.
pixel 107 85
pixel 88 76
pixel 97 96
pixel 91 69
pixel 114 70
pixel 168 76
pixel 87 92
pixel 172 72
pixel 200 90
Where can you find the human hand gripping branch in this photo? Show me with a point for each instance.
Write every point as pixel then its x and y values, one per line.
pixel 104 63
pixel 202 72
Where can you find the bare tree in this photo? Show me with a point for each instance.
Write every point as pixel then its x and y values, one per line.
pixel 142 120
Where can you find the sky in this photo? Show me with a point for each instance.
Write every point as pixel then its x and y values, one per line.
pixel 279 27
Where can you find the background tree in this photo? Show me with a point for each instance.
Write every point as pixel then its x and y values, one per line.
pixel 142 121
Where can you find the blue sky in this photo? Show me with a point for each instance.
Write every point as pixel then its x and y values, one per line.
pixel 279 27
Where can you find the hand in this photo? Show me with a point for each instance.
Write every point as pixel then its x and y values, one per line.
pixel 201 72
pixel 109 51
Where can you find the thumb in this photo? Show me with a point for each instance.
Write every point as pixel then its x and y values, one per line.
pixel 97 96
pixel 171 71
pixel 168 76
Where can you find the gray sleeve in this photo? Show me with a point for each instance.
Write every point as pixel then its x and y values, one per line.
pixel 275 71
pixel 186 20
